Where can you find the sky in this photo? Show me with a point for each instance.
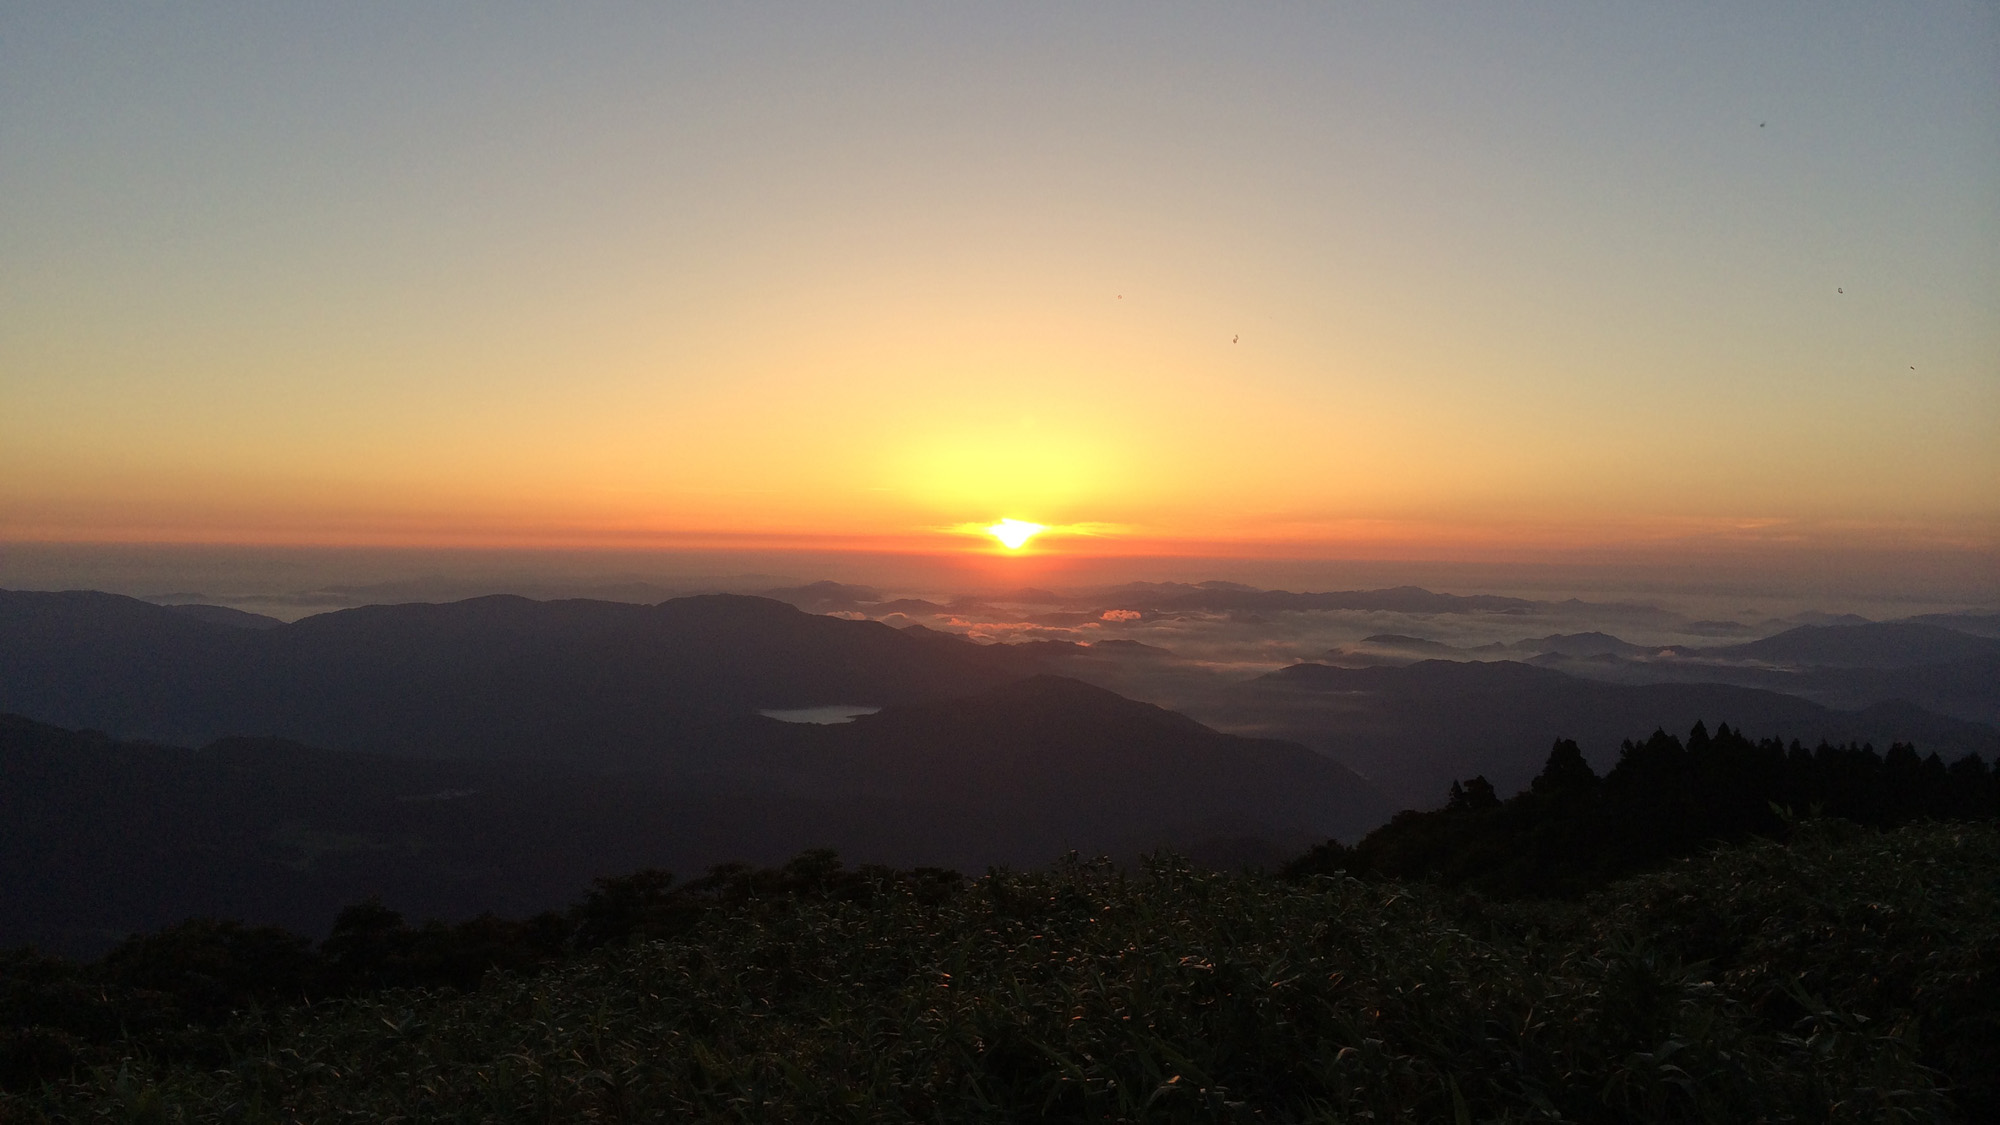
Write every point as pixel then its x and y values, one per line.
pixel 1443 281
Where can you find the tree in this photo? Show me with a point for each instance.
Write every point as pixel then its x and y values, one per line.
pixel 1566 771
pixel 1476 794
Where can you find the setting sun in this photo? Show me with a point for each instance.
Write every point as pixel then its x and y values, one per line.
pixel 1014 532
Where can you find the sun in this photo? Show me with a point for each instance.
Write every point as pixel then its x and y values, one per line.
pixel 1014 533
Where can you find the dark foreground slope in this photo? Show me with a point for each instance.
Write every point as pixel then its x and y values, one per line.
pixel 576 682
pixel 1413 730
pixel 1846 977
pixel 100 838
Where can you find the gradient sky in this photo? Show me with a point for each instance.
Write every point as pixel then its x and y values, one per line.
pixel 1498 277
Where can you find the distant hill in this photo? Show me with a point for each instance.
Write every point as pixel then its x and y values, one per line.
pixel 223 615
pixel 1395 650
pixel 100 837
pixel 1583 644
pixel 1412 730
pixel 1843 666
pixel 1032 760
pixel 1416 644
pixel 1978 624
pixel 1872 645
pixel 1225 597
pixel 579 682
pixel 823 597
pixel 1964 689
pixel 1961 689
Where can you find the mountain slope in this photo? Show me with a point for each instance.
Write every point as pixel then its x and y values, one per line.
pixel 1412 730
pixel 1873 645
pixel 99 838
pixel 1036 759
pixel 496 677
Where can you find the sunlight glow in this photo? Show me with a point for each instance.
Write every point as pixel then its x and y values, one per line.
pixel 1014 532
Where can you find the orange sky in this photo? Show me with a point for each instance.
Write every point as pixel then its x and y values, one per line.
pixel 1374 284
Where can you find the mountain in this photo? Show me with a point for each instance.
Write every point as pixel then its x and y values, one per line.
pixel 1583 645
pixel 1221 597
pixel 579 682
pixel 1964 689
pixel 1872 645
pixel 223 615
pixel 825 597
pixel 1396 650
pixel 1840 666
pixel 1391 650
pixel 1413 730
pixel 1032 760
pixel 1978 624
pixel 1846 666
pixel 100 837
pixel 1414 644
pixel 1846 645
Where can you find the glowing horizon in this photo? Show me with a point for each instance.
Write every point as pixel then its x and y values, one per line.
pixel 1369 282
pixel 1014 534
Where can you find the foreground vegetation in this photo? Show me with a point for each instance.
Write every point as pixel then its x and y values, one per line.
pixel 1846 975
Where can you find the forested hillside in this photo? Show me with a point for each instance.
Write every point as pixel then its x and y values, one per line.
pixel 101 837
pixel 1571 831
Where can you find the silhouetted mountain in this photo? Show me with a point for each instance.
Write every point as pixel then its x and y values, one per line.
pixel 1137 649
pixel 1394 650
pixel 1888 645
pixel 223 615
pixel 446 588
pixel 1027 595
pixel 1847 667
pixel 1816 617
pixel 1583 644
pixel 495 677
pixel 1843 666
pixel 1414 644
pixel 1977 624
pixel 1963 689
pixel 99 838
pixel 1032 761
pixel 915 607
pixel 1412 730
pixel 824 597
pixel 1228 597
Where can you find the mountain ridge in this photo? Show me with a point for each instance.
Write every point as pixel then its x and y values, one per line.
pixel 100 836
pixel 1412 729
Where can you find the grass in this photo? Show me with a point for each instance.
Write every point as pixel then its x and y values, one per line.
pixel 1847 975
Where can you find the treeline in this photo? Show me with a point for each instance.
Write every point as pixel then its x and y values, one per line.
pixel 173 990
pixel 1571 831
